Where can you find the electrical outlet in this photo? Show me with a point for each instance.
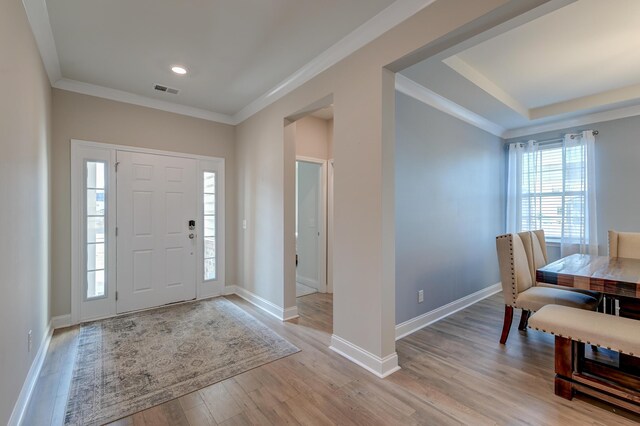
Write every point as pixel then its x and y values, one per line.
pixel 420 296
pixel 29 341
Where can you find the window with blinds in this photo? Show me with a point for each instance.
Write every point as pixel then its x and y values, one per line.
pixel 553 190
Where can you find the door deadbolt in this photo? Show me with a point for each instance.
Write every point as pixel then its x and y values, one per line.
pixel 192 225
pixel 192 236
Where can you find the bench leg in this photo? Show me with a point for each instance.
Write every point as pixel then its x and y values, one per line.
pixel 564 350
pixel 508 318
pixel 524 320
pixel 563 388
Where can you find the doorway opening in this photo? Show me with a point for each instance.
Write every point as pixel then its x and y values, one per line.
pixel 312 137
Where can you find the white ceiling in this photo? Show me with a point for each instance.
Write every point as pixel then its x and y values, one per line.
pixel 235 50
pixel 579 59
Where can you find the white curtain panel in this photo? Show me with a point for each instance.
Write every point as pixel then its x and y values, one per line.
pixel 514 187
pixel 522 176
pixel 579 229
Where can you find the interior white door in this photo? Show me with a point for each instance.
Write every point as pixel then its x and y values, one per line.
pixel 156 258
pixel 309 225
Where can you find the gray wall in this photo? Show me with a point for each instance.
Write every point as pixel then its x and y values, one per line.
pixel 25 136
pixel 617 175
pixel 449 207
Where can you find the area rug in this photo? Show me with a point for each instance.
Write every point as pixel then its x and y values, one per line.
pixel 133 362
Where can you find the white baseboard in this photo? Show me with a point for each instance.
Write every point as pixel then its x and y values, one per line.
pixel 282 314
pixel 207 291
pixel 406 328
pixel 307 281
pixel 229 290
pixel 290 313
pixel 61 321
pixel 30 382
pixel 381 367
pixel 267 306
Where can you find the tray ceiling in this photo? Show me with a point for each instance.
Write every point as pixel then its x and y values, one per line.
pixel 579 59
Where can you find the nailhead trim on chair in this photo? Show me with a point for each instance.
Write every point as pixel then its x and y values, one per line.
pixel 588 342
pixel 514 293
pixel 513 269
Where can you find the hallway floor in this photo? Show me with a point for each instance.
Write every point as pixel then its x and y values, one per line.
pixel 304 290
pixel 453 372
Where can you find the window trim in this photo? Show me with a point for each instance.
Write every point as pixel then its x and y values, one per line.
pixel 82 307
pixel 215 216
pixel 216 286
pixel 107 238
pixel 551 239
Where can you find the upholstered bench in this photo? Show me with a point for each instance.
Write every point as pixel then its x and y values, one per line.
pixel 574 373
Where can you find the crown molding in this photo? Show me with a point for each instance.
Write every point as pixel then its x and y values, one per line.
pixel 388 18
pixel 394 14
pixel 397 12
pixel 597 117
pixel 467 71
pixel 38 16
pixel 131 98
pixel 610 97
pixel 411 88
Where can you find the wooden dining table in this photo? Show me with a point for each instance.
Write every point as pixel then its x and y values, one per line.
pixel 615 277
pixel 619 280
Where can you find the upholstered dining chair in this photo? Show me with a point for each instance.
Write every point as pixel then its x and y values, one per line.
pixel 624 244
pixel 535 246
pixel 518 285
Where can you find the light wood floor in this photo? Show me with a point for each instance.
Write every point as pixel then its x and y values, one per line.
pixel 453 372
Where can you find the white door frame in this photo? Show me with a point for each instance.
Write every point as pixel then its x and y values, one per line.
pixel 322 241
pixel 82 150
pixel 330 166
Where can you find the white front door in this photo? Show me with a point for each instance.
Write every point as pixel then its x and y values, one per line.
pixel 156 250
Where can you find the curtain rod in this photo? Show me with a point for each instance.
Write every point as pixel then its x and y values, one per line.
pixel 573 136
pixel 593 132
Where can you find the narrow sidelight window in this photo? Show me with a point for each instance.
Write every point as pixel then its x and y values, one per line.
pixel 209 220
pixel 95 230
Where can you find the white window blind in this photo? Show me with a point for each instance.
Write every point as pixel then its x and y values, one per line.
pixel 553 190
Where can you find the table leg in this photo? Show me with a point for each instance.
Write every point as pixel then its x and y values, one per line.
pixel 629 364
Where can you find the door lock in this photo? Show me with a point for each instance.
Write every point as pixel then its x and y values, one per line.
pixel 192 225
pixel 192 236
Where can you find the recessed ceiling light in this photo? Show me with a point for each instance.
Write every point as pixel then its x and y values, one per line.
pixel 179 70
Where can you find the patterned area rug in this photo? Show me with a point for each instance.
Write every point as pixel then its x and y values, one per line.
pixel 133 362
